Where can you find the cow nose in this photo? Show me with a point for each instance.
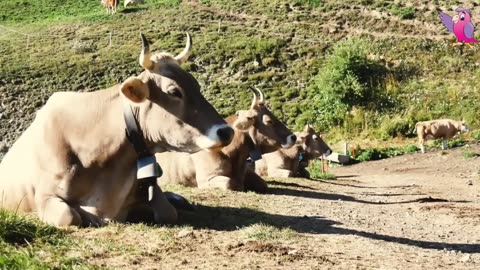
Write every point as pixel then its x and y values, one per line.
pixel 328 152
pixel 225 135
pixel 291 140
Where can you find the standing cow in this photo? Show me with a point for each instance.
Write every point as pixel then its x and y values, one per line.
pixel 110 5
pixel 291 162
pixel 440 128
pixel 256 129
pixel 74 165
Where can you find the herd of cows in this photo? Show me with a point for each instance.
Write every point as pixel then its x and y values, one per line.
pixel 83 159
pixel 89 157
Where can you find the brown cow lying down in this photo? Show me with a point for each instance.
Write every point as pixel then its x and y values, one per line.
pixel 292 162
pixel 74 165
pixel 436 129
pixel 226 169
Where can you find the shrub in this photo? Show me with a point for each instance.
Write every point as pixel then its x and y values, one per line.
pixel 346 80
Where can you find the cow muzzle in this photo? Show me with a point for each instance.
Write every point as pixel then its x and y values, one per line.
pixel 291 139
pixel 328 152
pixel 217 136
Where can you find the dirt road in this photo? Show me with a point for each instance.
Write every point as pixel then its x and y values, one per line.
pixel 410 212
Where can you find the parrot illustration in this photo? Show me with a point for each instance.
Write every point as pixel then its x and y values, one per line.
pixel 461 25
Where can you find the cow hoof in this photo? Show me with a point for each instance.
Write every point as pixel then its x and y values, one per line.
pixel 179 202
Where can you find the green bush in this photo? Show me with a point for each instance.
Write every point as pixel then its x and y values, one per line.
pixel 406 13
pixel 382 153
pixel 347 79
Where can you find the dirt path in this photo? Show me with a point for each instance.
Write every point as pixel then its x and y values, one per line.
pixel 410 212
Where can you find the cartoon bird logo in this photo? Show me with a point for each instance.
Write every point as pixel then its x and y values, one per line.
pixel 461 25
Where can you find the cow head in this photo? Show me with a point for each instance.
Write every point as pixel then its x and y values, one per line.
pixel 312 143
pixel 266 131
pixel 169 107
pixel 463 127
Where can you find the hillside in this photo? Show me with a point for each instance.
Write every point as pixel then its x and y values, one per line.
pixel 355 69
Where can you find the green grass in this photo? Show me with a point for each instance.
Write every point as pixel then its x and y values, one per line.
pixel 43 11
pixel 27 243
pixel 360 87
pixel 382 153
pixel 315 171
pixel 265 232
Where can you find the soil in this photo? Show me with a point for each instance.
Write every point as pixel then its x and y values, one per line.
pixel 416 211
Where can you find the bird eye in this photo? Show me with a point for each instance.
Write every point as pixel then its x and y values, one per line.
pixel 175 92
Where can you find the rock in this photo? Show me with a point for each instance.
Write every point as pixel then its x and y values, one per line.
pixel 469 182
pixel 465 258
pixel 184 233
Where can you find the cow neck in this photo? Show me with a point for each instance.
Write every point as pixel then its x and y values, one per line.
pixel 148 170
pixel 134 133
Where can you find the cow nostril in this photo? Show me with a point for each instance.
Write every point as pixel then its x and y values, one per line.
pixel 225 134
pixel 293 138
pixel 328 152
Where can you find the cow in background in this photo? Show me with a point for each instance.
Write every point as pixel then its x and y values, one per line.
pixel 256 130
pixel 440 128
pixel 293 161
pixel 110 5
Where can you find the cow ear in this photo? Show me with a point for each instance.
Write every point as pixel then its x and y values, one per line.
pixel 135 90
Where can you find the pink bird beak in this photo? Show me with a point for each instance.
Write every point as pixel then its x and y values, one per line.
pixel 455 18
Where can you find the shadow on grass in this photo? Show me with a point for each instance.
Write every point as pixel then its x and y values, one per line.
pixel 133 10
pixel 230 219
pixel 335 197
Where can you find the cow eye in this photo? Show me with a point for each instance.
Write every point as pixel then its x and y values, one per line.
pixel 315 137
pixel 267 121
pixel 175 92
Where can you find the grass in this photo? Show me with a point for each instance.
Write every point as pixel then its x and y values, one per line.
pixel 27 243
pixel 265 232
pixel 265 47
pixel 316 172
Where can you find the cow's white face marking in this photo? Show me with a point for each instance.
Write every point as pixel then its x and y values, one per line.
pixel 215 135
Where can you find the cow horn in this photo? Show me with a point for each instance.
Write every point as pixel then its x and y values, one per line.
pixel 183 56
pixel 144 59
pixel 261 95
pixel 254 100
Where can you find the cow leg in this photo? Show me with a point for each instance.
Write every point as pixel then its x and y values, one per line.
pixel 421 142
pixel 281 173
pixel 163 211
pixel 253 182
pixel 222 182
pixel 444 144
pixel 57 212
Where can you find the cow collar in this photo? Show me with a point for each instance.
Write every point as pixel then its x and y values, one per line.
pixel 148 170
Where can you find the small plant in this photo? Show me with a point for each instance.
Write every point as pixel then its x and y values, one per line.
pixel 317 170
pixel 325 176
pixel 83 46
pixel 470 154
pixel 265 232
pixel 405 13
pixel 411 149
pixel 476 135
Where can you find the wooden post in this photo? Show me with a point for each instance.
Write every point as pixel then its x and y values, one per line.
pixel 345 149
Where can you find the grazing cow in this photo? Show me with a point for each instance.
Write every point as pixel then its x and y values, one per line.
pixel 110 5
pixel 440 128
pixel 227 168
pixel 132 2
pixel 292 162
pixel 75 165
